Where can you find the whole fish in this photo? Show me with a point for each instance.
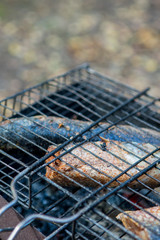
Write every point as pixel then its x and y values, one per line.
pixel 44 131
pixel 95 163
pixel 141 223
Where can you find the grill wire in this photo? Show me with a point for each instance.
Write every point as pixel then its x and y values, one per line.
pixel 82 212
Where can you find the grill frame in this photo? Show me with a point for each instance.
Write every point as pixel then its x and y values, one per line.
pixel 146 99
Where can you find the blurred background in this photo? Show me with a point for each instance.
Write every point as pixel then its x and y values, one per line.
pixel 40 39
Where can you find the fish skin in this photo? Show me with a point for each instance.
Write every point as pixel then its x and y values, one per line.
pixel 102 162
pixel 139 216
pixel 58 130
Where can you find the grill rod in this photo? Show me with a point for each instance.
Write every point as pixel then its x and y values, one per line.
pixel 122 173
pixel 36 164
pixel 114 98
pixel 113 124
pixel 32 217
pixel 103 186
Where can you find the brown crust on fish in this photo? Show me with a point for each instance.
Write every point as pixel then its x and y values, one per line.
pixel 140 216
pixel 88 153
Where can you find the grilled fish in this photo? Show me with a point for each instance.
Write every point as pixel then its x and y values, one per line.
pixel 95 163
pixel 134 219
pixel 44 131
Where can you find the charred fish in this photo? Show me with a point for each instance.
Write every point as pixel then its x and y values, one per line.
pixel 92 165
pixel 144 225
pixel 44 131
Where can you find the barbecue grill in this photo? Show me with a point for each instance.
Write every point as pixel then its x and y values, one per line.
pixel 79 212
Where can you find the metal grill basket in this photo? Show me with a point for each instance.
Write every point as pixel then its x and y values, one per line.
pixel 78 211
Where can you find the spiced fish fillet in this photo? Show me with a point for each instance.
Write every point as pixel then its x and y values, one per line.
pixel 150 230
pixel 43 131
pixel 98 162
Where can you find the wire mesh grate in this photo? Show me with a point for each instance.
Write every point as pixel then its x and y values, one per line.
pixel 109 116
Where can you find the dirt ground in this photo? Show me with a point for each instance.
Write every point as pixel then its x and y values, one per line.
pixel 43 38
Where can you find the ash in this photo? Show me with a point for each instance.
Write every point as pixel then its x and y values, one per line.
pixel 98 223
